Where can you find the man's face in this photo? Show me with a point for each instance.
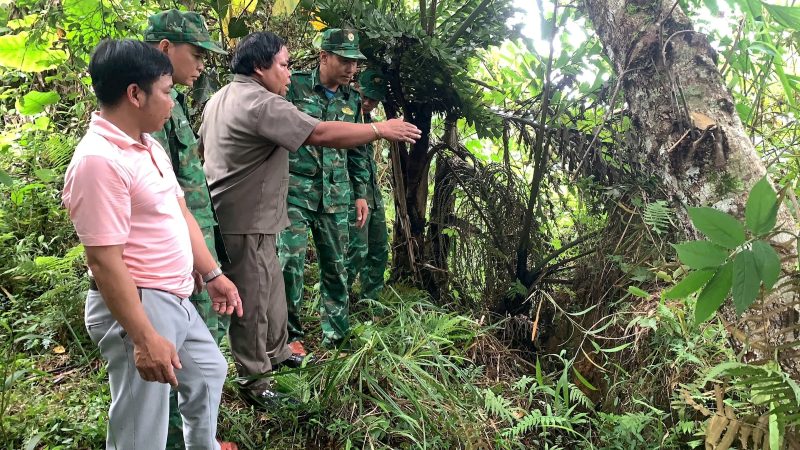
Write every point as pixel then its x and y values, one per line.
pixel 155 107
pixel 368 104
pixel 337 68
pixel 278 77
pixel 187 62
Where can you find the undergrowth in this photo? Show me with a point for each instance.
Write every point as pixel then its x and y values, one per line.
pixel 416 374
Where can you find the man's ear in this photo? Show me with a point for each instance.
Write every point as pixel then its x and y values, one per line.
pixel 323 57
pixel 259 71
pixel 164 45
pixel 134 94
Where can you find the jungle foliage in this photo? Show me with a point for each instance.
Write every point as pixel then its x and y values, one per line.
pixel 545 293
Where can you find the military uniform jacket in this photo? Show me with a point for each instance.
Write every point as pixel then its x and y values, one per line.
pixel 177 137
pixel 374 196
pixel 320 177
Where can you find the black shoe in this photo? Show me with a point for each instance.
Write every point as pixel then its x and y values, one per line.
pixel 294 361
pixel 265 399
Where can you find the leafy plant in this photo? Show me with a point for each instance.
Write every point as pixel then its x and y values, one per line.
pixel 729 262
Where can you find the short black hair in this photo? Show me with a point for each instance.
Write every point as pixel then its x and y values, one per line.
pixel 116 64
pixel 256 51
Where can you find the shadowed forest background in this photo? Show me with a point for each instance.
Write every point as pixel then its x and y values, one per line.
pixel 593 244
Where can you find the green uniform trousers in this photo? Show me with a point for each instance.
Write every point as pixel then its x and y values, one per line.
pixel 368 253
pixel 330 233
pixel 218 326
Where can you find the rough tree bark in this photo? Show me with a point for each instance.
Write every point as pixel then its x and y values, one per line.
pixel 414 169
pixel 693 138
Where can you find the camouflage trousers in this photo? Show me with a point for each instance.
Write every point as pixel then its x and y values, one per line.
pixel 217 325
pixel 330 233
pixel 368 253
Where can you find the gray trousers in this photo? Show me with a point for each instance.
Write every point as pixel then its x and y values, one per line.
pixel 139 409
pixel 258 338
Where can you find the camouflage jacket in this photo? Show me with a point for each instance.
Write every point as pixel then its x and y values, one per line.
pixel 178 139
pixel 374 195
pixel 320 177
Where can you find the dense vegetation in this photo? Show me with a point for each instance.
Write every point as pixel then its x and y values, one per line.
pixel 546 291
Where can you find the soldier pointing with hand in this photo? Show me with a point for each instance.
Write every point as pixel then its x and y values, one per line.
pixel 320 188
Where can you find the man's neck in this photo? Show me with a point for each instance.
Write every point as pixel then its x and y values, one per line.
pixel 331 84
pixel 123 120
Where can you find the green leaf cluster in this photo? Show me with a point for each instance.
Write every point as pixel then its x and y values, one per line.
pixel 426 55
pixel 729 263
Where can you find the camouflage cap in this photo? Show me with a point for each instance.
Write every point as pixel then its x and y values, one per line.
pixel 180 26
pixel 373 84
pixel 341 42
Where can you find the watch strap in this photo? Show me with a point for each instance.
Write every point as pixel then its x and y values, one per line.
pixel 211 275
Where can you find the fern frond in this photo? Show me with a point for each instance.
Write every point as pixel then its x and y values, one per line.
pixel 498 406
pixel 658 216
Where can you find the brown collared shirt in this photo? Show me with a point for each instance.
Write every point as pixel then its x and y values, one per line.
pixel 246 135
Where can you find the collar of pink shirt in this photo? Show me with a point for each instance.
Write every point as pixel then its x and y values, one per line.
pixel 113 134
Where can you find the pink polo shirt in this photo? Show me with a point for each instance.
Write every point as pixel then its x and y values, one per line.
pixel 120 192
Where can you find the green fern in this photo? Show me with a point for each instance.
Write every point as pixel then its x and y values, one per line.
pixel 658 216
pixel 536 419
pixel 768 386
pixel 498 406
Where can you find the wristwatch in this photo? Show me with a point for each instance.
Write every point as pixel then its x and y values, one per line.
pixel 211 275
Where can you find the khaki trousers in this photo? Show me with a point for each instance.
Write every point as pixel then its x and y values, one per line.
pixel 258 338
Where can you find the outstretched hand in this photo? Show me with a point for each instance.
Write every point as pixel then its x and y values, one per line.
pixel 398 130
pixel 224 296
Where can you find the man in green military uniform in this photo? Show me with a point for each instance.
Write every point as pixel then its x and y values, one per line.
pixel 367 253
pixel 320 187
pixel 184 38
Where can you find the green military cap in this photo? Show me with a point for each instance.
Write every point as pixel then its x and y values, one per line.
pixel 342 42
pixel 180 26
pixel 373 84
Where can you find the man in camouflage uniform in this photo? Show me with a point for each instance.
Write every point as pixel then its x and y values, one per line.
pixel 320 189
pixel 368 253
pixel 183 36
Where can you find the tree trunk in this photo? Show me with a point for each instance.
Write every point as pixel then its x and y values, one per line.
pixel 694 141
pixel 411 189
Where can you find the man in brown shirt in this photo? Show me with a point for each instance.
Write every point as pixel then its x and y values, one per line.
pixel 247 131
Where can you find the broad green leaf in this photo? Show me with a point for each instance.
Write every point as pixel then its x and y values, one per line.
pixel 764 47
pixel 21 52
pixel 638 292
pixel 788 89
pixel 46 175
pixel 221 7
pixel 5 178
pixel 616 349
pixel 237 28
pixel 723 229
pixel 761 211
pixel 701 254
pixel 34 102
pixel 767 262
pixel 745 280
pixel 715 292
pixel 689 284
pixel 583 380
pixel 788 16
pixel 284 7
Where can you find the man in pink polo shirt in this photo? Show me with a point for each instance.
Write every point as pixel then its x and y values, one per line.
pixel 142 246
